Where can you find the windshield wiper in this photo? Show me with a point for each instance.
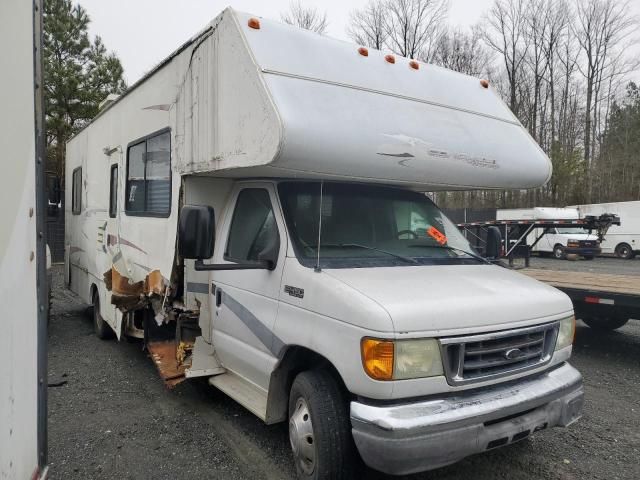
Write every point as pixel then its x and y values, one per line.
pixel 454 249
pixel 367 247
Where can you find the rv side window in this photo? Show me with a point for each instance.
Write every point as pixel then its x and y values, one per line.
pixel 76 191
pixel 148 191
pixel 253 227
pixel 113 191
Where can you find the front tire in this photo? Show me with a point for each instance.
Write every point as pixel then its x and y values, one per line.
pixel 624 251
pixel 320 428
pixel 102 329
pixel 558 252
pixel 605 323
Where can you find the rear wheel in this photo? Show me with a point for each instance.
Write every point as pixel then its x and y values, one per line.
pixel 624 251
pixel 102 329
pixel 558 252
pixel 605 323
pixel 319 428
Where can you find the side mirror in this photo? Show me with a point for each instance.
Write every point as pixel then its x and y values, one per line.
pixel 269 256
pixel 494 243
pixel 196 232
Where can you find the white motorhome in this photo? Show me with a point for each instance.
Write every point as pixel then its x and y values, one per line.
pixel 621 240
pixel 254 205
pixel 559 241
pixel 24 257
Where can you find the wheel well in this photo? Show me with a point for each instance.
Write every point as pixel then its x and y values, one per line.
pixel 558 245
pixel 296 359
pixel 622 244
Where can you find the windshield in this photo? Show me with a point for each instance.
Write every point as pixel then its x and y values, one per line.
pixel 365 225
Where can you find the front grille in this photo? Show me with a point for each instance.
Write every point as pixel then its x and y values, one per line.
pixel 483 357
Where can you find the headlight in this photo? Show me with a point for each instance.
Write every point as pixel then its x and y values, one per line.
pixel 566 332
pixel 401 359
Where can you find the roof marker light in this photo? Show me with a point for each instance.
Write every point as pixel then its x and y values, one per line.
pixel 363 51
pixel 413 64
pixel 390 58
pixel 484 83
pixel 254 23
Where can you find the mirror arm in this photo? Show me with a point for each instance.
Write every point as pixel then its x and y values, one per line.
pixel 200 266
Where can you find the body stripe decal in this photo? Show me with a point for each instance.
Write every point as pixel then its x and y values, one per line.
pixel 266 336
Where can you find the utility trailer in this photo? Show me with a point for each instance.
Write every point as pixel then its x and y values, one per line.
pixel 516 233
pixel 602 301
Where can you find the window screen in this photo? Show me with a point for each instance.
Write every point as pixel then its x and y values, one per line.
pixel 76 191
pixel 149 176
pixel 253 227
pixel 113 191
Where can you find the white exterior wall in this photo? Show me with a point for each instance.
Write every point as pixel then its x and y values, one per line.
pixel 629 230
pixel 18 340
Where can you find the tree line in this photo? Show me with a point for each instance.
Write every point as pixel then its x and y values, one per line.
pixel 562 66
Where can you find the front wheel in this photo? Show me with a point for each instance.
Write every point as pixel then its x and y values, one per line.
pixel 320 429
pixel 558 252
pixel 605 323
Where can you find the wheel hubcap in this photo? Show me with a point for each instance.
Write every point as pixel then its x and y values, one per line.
pixel 301 437
pixel 624 252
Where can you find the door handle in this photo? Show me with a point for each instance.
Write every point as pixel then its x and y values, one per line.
pixel 218 297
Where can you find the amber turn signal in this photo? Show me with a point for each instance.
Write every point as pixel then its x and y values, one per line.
pixel 377 358
pixel 484 83
pixel 254 23
pixel 413 64
pixel 363 51
pixel 390 58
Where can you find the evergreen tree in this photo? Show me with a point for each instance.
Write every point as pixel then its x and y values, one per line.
pixel 78 75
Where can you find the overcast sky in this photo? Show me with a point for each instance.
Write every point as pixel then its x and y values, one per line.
pixel 143 32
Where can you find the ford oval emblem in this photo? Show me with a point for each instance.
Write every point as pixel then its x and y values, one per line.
pixel 513 353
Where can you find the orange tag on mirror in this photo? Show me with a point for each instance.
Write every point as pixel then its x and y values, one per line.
pixel 437 235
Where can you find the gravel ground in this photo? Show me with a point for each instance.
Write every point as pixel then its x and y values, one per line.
pixel 111 417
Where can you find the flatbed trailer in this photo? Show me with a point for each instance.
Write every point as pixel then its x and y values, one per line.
pixel 602 301
pixel 516 232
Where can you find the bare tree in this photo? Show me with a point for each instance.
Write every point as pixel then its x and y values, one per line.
pixel 308 18
pixel 367 26
pixel 505 33
pixel 414 27
pixel 601 28
pixel 462 52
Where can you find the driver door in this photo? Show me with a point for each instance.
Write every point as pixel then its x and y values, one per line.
pixel 245 302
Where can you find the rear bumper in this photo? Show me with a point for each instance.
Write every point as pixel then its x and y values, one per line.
pixel 409 438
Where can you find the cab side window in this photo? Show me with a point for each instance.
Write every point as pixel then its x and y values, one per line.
pixel 253 227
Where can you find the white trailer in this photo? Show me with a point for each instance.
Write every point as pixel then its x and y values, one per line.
pixel 622 240
pixel 558 240
pixel 253 208
pixel 23 285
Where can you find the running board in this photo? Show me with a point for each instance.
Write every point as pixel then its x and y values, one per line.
pixel 245 393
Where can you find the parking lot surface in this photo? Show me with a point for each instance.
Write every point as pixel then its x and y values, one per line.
pixel 110 416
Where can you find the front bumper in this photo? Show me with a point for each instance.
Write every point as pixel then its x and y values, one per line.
pixel 413 437
pixel 583 251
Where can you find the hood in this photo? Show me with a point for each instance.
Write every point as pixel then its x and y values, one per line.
pixel 456 299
